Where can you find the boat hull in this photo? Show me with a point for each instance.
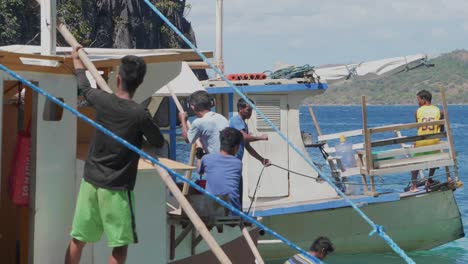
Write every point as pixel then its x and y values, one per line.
pixel 415 223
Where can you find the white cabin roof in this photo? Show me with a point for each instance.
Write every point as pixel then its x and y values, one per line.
pixel 167 68
pixel 26 57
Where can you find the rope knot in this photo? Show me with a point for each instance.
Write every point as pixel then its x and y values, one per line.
pixel 377 229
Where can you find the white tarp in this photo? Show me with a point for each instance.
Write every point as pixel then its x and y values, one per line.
pixel 182 84
pixel 369 70
pixel 159 76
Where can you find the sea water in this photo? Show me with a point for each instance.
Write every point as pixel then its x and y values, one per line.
pixel 334 119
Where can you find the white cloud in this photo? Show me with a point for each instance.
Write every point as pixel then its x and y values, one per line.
pixel 327 31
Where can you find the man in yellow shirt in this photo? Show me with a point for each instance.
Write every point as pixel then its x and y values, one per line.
pixel 426 113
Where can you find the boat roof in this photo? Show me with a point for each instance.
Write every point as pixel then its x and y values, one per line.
pixel 28 58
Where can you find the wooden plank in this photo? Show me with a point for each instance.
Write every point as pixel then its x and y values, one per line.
pixel 399 140
pixel 16 55
pixel 420 166
pixel 404 126
pixel 351 133
pixel 314 119
pixel 62 69
pixel 449 132
pixel 351 172
pixel 153 59
pixel 409 161
pixel 188 174
pixel 409 151
pixel 355 147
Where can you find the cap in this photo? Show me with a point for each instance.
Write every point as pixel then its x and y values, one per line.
pixel 342 138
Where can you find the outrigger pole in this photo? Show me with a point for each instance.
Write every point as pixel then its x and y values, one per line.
pixel 192 215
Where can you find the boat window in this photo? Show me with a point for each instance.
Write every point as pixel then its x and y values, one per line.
pixel 52 112
pixel 162 116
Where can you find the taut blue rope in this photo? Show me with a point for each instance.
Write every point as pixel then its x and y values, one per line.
pixel 376 228
pixel 155 161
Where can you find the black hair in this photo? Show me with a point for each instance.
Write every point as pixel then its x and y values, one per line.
pixel 322 243
pixel 230 138
pixel 425 95
pixel 241 103
pixel 200 100
pixel 132 72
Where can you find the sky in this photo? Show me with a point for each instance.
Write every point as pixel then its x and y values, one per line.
pixel 259 35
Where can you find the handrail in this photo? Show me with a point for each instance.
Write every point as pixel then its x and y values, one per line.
pixel 399 140
pixel 405 126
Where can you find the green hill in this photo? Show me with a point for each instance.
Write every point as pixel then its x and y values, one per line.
pixel 450 72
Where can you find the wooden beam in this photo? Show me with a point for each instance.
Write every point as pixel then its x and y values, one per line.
pixel 151 59
pixel 252 246
pixel 399 140
pixel 367 138
pixel 382 164
pixel 314 119
pixel 404 126
pixel 198 65
pixel 355 146
pixel 188 174
pixel 426 165
pixel 351 133
pixel 408 151
pixel 448 130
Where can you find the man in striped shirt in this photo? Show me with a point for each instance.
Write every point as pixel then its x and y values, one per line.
pixel 321 247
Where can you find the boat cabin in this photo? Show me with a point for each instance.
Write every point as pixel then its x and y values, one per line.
pixel 38 231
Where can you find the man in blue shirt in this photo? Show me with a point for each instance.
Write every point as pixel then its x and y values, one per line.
pixel 238 122
pixel 222 170
pixel 207 124
pixel 320 248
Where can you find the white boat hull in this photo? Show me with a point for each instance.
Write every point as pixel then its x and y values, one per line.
pixel 415 223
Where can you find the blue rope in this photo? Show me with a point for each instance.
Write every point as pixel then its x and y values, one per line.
pixel 375 227
pixel 155 161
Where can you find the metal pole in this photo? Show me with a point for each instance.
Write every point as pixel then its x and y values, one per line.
pixel 48 26
pixel 219 35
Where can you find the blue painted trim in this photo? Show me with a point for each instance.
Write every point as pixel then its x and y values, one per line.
pixel 173 129
pixel 231 104
pixel 290 87
pixel 328 205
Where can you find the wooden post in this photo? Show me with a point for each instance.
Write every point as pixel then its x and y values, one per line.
pixel 448 130
pixel 367 144
pixel 314 119
pixel 188 174
pixel 252 246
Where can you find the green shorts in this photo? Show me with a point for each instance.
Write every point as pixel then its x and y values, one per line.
pixel 100 210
